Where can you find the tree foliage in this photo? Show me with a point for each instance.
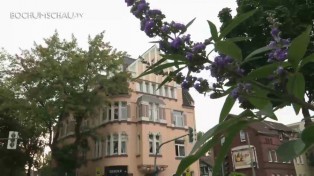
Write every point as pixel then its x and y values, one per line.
pixel 257 63
pixel 58 79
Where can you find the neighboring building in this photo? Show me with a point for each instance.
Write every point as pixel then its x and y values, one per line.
pixel 301 163
pixel 257 144
pixel 206 165
pixel 132 126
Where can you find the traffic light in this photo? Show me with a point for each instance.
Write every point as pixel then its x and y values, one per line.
pixel 191 134
pixel 12 140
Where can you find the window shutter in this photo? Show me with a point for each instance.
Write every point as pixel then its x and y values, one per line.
pixel 184 119
pixel 129 111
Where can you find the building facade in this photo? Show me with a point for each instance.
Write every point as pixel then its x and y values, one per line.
pixel 131 127
pixel 254 150
pixel 301 163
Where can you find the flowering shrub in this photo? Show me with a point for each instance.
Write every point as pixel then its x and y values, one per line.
pixel 260 91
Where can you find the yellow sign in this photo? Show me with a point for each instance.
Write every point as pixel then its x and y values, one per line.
pixel 98 171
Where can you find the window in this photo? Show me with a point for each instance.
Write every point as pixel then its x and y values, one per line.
pixel 97 148
pixel 280 136
pixel 154 88
pixel 147 87
pixel 138 143
pixel 178 119
pixel 141 87
pixel 172 94
pixel 166 91
pixel 123 143
pixel 108 144
pixel 179 147
pixel 153 111
pixel 272 156
pixel 116 144
pixel 154 142
pixel 242 136
pixel 124 110
pixel 115 111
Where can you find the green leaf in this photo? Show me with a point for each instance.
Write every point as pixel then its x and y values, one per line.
pixel 209 139
pixel 169 78
pixel 258 51
pixel 157 68
pixel 229 102
pixel 296 87
pixel 265 70
pixel 307 135
pixel 216 95
pixel 235 22
pixel 190 23
pixel 291 149
pixel 213 30
pixel 231 133
pixel 306 60
pixel 298 47
pixel 238 39
pixel 230 49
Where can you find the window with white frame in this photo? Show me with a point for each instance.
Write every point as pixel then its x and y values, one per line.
pixel 153 88
pixel 166 91
pixel 242 136
pixel 118 110
pixel 97 148
pixel 147 87
pixel 172 93
pixel 108 145
pixel 179 147
pixel 116 144
pixel 123 138
pixel 178 119
pixel 153 111
pixel 154 142
pixel 272 156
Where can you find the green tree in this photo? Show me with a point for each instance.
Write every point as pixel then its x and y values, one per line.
pixel 294 17
pixel 261 84
pixel 58 78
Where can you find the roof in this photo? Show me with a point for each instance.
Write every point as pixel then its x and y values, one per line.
pixel 127 61
pixel 149 98
pixel 208 160
pixel 187 98
pixel 268 127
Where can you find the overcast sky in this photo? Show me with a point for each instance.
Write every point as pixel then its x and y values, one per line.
pixel 122 31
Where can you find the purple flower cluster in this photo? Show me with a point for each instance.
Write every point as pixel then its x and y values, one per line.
pixel 279 46
pixel 240 90
pixel 219 66
pixel 173 40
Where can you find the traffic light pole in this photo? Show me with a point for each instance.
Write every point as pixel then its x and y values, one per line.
pixel 157 151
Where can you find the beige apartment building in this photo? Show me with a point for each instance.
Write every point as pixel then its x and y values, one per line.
pixel 301 164
pixel 132 126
